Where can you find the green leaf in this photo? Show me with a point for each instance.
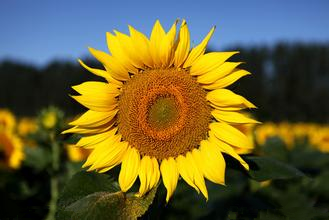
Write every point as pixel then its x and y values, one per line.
pixel 99 205
pixel 137 206
pixel 95 196
pixel 265 168
pixel 83 184
pixel 276 148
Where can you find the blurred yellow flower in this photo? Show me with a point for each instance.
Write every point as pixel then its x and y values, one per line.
pixel 26 126
pixel 265 131
pixel 320 139
pixel 12 149
pixel 285 132
pixel 290 133
pixel 7 120
pixel 49 119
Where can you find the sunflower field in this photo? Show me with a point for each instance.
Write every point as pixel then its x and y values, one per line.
pixel 159 127
pixel 288 176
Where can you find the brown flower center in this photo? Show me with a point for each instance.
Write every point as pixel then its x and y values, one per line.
pixel 163 113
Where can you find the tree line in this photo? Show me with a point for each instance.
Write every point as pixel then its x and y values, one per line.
pixel 288 82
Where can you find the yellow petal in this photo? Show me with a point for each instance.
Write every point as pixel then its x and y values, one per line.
pixel 198 175
pixel 212 162
pixel 170 175
pixel 115 157
pixel 227 98
pixel 185 171
pixel 183 46
pixel 141 45
pixel 98 153
pixel 157 35
pixel 97 96
pixel 156 173
pixel 230 135
pixel 198 50
pixel 218 73
pixel 92 140
pixel 129 169
pixel 94 119
pixel 243 151
pixel 103 170
pixel 99 139
pixel 144 175
pixel 232 117
pixel 149 174
pixel 157 32
pixel 109 155
pixel 119 53
pixel 95 71
pixel 210 62
pixel 189 171
pixel 226 148
pixel 111 64
pixel 101 73
pixel 167 46
pixel 227 80
pixel 92 87
pixel 129 48
pixel 227 108
pixel 100 104
pixel 89 130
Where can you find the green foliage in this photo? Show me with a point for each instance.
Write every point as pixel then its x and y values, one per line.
pixel 296 187
pixel 293 204
pixel 37 158
pixel 96 196
pixel 290 194
pixel 270 216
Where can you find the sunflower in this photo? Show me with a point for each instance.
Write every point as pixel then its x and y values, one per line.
pixel 320 139
pixel 162 110
pixel 49 118
pixel 26 126
pixel 11 149
pixel 7 120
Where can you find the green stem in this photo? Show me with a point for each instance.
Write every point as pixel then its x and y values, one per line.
pixel 53 200
pixel 54 179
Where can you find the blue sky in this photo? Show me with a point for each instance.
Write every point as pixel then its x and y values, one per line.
pixel 40 31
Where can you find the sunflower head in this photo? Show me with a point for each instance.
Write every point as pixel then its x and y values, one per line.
pixel 50 118
pixel 163 110
pixel 163 113
pixel 26 126
pixel 11 150
pixel 7 120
